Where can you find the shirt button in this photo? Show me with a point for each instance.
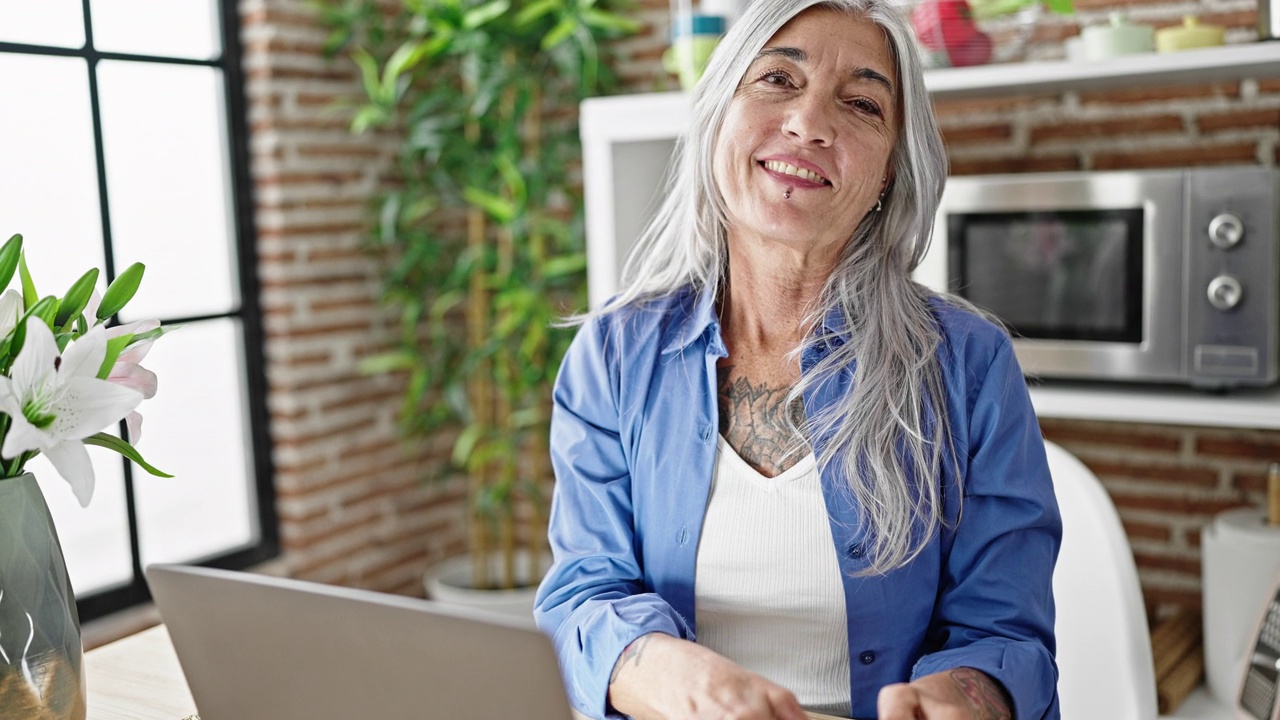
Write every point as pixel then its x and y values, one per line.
pixel 867 657
pixel 855 550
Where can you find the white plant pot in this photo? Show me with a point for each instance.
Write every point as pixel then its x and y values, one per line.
pixel 450 582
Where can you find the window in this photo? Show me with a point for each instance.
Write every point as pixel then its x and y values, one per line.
pixel 123 141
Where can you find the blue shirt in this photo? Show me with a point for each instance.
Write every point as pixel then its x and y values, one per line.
pixel 633 443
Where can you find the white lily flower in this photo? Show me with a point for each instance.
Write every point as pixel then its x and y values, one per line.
pixel 55 401
pixel 10 311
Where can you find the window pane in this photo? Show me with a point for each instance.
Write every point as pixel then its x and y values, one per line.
pixel 167 185
pixel 187 29
pixel 45 22
pixel 196 428
pixel 95 540
pixel 49 178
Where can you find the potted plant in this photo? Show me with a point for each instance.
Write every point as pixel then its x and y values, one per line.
pixel 482 234
pixel 64 377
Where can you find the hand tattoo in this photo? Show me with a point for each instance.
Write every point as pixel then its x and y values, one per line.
pixel 758 422
pixel 630 655
pixel 987 697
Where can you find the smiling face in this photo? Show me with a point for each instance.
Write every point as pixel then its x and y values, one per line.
pixel 804 149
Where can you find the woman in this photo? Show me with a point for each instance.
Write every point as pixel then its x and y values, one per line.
pixel 787 476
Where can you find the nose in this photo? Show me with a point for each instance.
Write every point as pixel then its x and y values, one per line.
pixel 809 121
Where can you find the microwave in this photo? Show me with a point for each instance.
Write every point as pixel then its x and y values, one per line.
pixel 1156 276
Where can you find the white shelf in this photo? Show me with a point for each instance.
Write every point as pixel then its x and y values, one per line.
pixel 1229 62
pixel 1257 409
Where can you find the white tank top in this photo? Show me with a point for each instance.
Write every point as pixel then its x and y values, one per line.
pixel 767 588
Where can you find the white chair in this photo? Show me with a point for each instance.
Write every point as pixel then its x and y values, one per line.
pixel 1104 646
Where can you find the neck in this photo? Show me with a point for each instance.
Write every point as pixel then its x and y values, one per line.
pixel 770 290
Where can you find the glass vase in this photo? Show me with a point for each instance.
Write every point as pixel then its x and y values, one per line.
pixel 41 656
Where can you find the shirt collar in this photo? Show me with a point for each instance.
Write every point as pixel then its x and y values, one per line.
pixel 835 326
pixel 699 310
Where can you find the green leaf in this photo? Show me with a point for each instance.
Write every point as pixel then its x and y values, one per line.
pixel 500 209
pixel 526 418
pixel 446 302
pixel 121 291
pixel 533 11
pixel 111 442
pixel 439 44
pixel 513 179
pixel 605 20
pixel 115 346
pixel 153 334
pixel 476 17
pixel 368 72
pixel 564 265
pixel 559 33
pixel 408 55
pixel 46 309
pixel 17 339
pixel 1062 7
pixel 9 256
pixel 466 443
pixel 387 362
pixel 29 294
pixel 368 116
pixel 76 298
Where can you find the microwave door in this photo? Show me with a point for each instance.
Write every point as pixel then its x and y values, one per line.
pixel 1071 285
pixel 1059 276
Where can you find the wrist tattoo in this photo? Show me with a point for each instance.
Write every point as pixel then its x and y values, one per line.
pixel 987 697
pixel 630 655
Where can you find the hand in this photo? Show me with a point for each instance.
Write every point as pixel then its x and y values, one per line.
pixel 959 694
pixel 659 677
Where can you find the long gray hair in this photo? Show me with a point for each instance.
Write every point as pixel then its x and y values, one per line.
pixel 895 417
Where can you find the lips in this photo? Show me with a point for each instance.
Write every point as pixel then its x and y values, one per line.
pixel 795 170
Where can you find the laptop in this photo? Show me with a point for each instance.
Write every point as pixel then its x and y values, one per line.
pixel 255 647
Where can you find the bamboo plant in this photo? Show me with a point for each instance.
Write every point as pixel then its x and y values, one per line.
pixel 482 232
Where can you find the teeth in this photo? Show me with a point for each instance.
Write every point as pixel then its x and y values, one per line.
pixel 787 169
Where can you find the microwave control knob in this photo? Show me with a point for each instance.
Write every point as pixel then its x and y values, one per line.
pixel 1226 231
pixel 1225 292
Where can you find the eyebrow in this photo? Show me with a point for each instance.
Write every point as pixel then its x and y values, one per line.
pixel 800 56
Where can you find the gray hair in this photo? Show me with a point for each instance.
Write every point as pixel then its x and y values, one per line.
pixel 895 417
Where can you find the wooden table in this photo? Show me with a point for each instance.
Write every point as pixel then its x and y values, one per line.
pixel 137 678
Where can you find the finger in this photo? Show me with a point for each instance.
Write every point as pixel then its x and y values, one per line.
pixel 784 705
pixel 899 701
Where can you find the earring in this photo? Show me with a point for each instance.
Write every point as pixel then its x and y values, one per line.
pixel 879 203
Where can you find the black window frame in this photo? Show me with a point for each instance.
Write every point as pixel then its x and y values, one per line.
pixel 248 313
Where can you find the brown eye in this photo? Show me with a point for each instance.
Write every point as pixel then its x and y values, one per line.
pixel 865 105
pixel 777 78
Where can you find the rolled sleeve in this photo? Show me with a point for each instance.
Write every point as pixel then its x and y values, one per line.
pixel 995 610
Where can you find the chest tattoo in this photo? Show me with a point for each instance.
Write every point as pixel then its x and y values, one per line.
pixel 758 422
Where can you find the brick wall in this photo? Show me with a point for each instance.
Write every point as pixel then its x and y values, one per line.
pixel 352 508
pixel 1167 481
